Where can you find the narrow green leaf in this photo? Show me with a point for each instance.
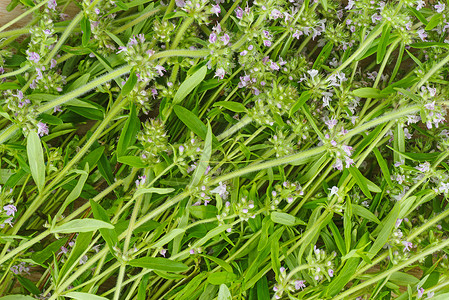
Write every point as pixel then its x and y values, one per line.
pixel 302 99
pixel 224 293
pixel 36 159
pixel 28 285
pixel 189 84
pixel 133 161
pixel 383 166
pixel 129 84
pixel 84 296
pixel 204 160
pixel 160 191
pixel 383 43
pixel 338 238
pixel 191 121
pixel 28 3
pixel 17 297
pixel 263 292
pixel 92 158
pixel 232 106
pixel 227 267
pixel 218 278
pixel 158 263
pixel 109 235
pixel 81 225
pixel 322 57
pixel 85 27
pixel 41 256
pixel 368 93
pixel 285 219
pixel 364 213
pixel 347 225
pixel 433 22
pixel 81 244
pixel 361 181
pixel 169 237
pixel 385 228
pixel 78 83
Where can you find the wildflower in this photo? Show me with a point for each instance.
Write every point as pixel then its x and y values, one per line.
pixel 83 260
pixel 331 123
pixel 330 272
pixel 141 181
pixel 221 190
pixel 42 129
pixel 300 284
pixel 163 252
pixel 34 57
pixel 398 223
pixel 225 39
pixel 160 70
pixel 52 4
pixel 215 9
pixel 274 66
pixel 425 167
pixel 239 13
pixel 420 4
pixel 350 4
pixel 220 73
pixel 212 38
pixel 420 292
pixel 422 34
pixel 276 14
pixel 333 191
pixel 440 7
pixel 407 246
pixel 180 3
pixel 10 209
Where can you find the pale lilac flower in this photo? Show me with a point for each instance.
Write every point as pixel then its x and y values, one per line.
pixel 398 223
pixel 407 246
pixel 430 106
pixel 220 73
pixel 10 209
pixel 215 9
pixel 300 284
pixel 33 56
pixel 160 70
pixel 430 294
pixel 420 292
pixel 217 28
pixel 347 149
pixel 267 43
pixel 333 191
pixel 212 38
pixel 192 251
pixel 349 162
pixel 180 3
pixel 52 4
pixel 53 63
pixel 64 250
pixel 350 4
pixel 276 14
pixel 8 221
pixel 422 34
pixel 122 49
pixel 330 272
pixel 338 164
pixel 274 66
pixel 42 129
pixel 440 7
pixel 163 252
pixel 239 13
pixel 221 190
pixel 141 181
pixel 225 39
pixel 425 167
pixel 312 73
pixel 420 4
pixel 97 11
pixel 83 260
pixel 331 123
pixel 154 93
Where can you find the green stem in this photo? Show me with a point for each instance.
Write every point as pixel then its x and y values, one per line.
pixel 398 267
pixel 26 13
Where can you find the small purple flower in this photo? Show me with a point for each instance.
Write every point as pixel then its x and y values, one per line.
pixel 10 209
pixel 163 252
pixel 33 56
pixel 42 129
pixel 333 191
pixel 212 38
pixel 331 123
pixel 267 43
pixel 338 164
pixel 276 14
pixel 53 63
pixel 274 66
pixel 122 49
pixel 243 53
pixel 180 3
pixel 300 284
pixel 97 11
pixel 220 73
pixel 154 93
pixel 407 246
pixel 350 4
pixel 215 9
pixel 330 272
pixel 422 34
pixel 225 39
pixel 440 7
pixel 420 292
pixel 239 13
pixel 52 4
pixel 160 70
pixel 420 4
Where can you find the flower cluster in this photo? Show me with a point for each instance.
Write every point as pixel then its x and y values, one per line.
pixel 154 140
pixel 288 191
pixel 322 264
pixel 287 285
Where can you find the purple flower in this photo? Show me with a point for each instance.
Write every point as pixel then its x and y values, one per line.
pixel 267 43
pixel 422 34
pixel 300 284
pixel 239 13
pixel 274 66
pixel 215 9
pixel 331 123
pixel 330 272
pixel 10 209
pixel 407 246
pixel 212 38
pixel 52 4
pixel 440 7
pixel 42 129
pixel 160 70
pixel 276 14
pixel 121 49
pixel 420 4
pixel 163 252
pixel 220 73
pixel 180 3
pixel 333 191
pixel 350 4
pixel 225 39
pixel 420 292
pixel 33 56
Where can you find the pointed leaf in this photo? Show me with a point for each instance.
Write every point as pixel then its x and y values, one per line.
pixel 81 225
pixel 159 263
pixel 36 159
pixel 189 84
